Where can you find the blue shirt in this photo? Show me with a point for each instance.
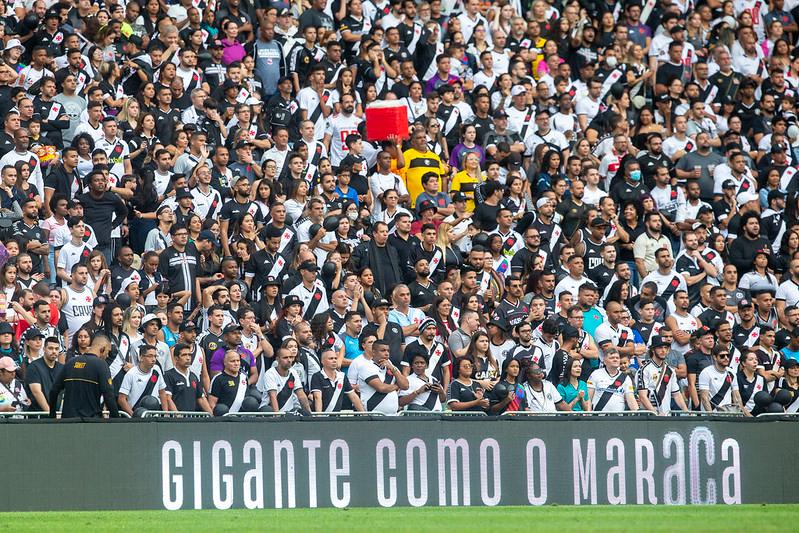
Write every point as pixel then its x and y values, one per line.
pixel 351 348
pixel 790 354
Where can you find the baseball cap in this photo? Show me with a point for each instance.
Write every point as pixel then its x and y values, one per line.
pixel 498 323
pixel 5 327
pixel 181 193
pixel 425 205
pixel 663 97
pixel 382 302
pixel 700 332
pixel 459 197
pixel 728 184
pixel 101 299
pixel 517 90
pixel 597 222
pixel 208 235
pixel 272 281
pixel 35 333
pixel 657 341
pixel 243 144
pixel 747 196
pixel 677 28
pixel 7 364
pixel 292 299
pixel 308 265
pixel 500 113
pixel 188 325
pixel 745 303
pixel 149 317
pixel 697 225
pixel 233 326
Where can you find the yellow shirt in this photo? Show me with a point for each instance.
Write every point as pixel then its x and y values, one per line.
pixel 466 184
pixel 418 164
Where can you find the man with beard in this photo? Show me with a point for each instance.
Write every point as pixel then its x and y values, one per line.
pixel 524 259
pixel 423 291
pixel 546 284
pixel 717 310
pixel 434 352
pixel 693 266
pixel 512 309
pixel 787 332
pixel 573 209
pixel 234 208
pixel 339 126
pixel 428 250
pixel 588 243
pixel 603 273
pixel 545 223
pixel 267 263
pixel 652 158
pixel 648 243
pixel 665 276
pixel 749 241
pixel 724 338
pixel 524 349
pixel 681 323
pixel 381 257
pixel 699 164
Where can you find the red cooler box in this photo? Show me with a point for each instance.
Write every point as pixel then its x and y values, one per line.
pixel 386 118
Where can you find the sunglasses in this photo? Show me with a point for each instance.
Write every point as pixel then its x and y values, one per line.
pixel 723 356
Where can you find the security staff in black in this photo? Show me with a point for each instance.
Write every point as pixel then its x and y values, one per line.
pixel 85 379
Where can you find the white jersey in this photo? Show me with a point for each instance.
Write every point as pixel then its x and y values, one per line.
pixel 615 387
pixel 77 308
pixel 284 386
pixel 788 292
pixel 660 382
pixel 688 324
pixel 543 401
pixel 205 204
pixel 713 381
pixel 414 384
pixel 618 336
pixel 373 401
pixel 117 152
pixel 135 381
pixel 339 127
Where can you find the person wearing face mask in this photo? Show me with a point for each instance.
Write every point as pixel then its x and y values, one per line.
pixel 631 188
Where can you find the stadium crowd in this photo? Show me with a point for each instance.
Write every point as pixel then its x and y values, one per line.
pixel 595 206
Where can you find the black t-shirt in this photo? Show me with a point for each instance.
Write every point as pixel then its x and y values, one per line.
pixel 185 391
pixel 485 216
pixel 463 393
pixel 225 388
pixel 84 380
pixel 696 362
pixel 39 372
pixel 394 337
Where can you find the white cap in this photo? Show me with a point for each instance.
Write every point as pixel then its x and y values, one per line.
pixel 747 196
pixel 517 90
pixel 14 43
pixel 542 201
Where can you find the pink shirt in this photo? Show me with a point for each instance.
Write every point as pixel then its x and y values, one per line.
pixel 51 224
pixel 233 51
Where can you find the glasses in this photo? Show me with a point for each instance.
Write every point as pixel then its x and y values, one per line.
pixel 723 356
pixel 181 234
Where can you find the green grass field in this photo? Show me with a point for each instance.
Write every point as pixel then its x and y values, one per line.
pixel 553 518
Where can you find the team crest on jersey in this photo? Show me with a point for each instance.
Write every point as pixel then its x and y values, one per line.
pixel 212 346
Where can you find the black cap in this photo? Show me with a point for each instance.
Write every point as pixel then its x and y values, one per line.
pixel 208 235
pixel 501 324
pixel 216 43
pixel 292 299
pixel 5 327
pixel 657 341
pixel 188 325
pixel 308 265
pixel 745 303
pixel 101 299
pixel 728 184
pixel 182 193
pixel 597 222
pixel 777 149
pixel 425 205
pixel 663 97
pixel 233 326
pixel 701 332
pixel 677 28
pixel 382 302
pixel 243 144
pixel 704 209
pixel 272 281
pixel 34 334
pixel 459 197
pixel 500 113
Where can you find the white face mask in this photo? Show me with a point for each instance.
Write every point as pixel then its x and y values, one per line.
pixel 611 61
pixel 353 216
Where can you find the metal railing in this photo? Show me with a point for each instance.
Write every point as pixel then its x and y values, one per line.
pixel 175 414
pixel 46 414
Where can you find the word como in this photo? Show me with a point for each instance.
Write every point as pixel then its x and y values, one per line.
pixel 525 466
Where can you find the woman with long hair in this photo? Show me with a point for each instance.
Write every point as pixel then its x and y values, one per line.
pixel 195 226
pixel 113 93
pixel 264 196
pixel 508 394
pixel 486 369
pixel 180 142
pixel 501 98
pixel 549 170
pixel 297 199
pixel 367 279
pixel 146 97
pixel 572 389
pixel 441 312
pixel 128 118
pixel 513 197
pixel 469 179
pixel 436 141
pixel 8 280
pixel 244 227
pixel 99 281
pixel 789 245
pixel 142 139
pixel 467 145
pixel 143 205
pixel 790 382
pixel 645 126
pixel 80 343
pixel 618 292
pixel 638 72
pixel 345 84
pixel 24 189
pixel 718 243
pixel 446 234
pixel 465 393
